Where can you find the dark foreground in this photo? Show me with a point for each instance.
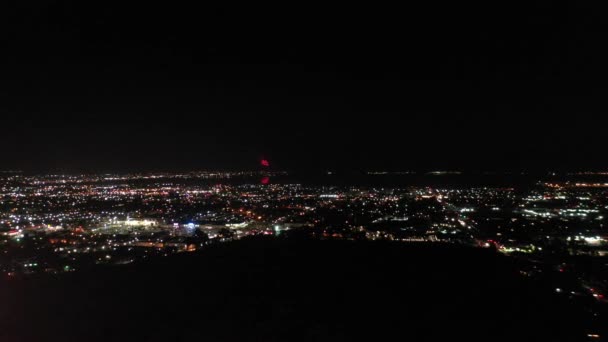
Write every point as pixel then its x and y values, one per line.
pixel 275 290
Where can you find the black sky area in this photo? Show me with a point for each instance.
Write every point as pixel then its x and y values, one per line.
pixel 110 86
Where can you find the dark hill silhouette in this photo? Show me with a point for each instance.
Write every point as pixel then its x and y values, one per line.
pixel 287 290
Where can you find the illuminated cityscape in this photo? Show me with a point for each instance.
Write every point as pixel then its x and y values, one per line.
pixel 63 223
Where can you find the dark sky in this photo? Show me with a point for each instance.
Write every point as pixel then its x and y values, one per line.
pixel 107 86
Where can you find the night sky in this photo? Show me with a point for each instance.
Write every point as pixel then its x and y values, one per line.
pixel 112 87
